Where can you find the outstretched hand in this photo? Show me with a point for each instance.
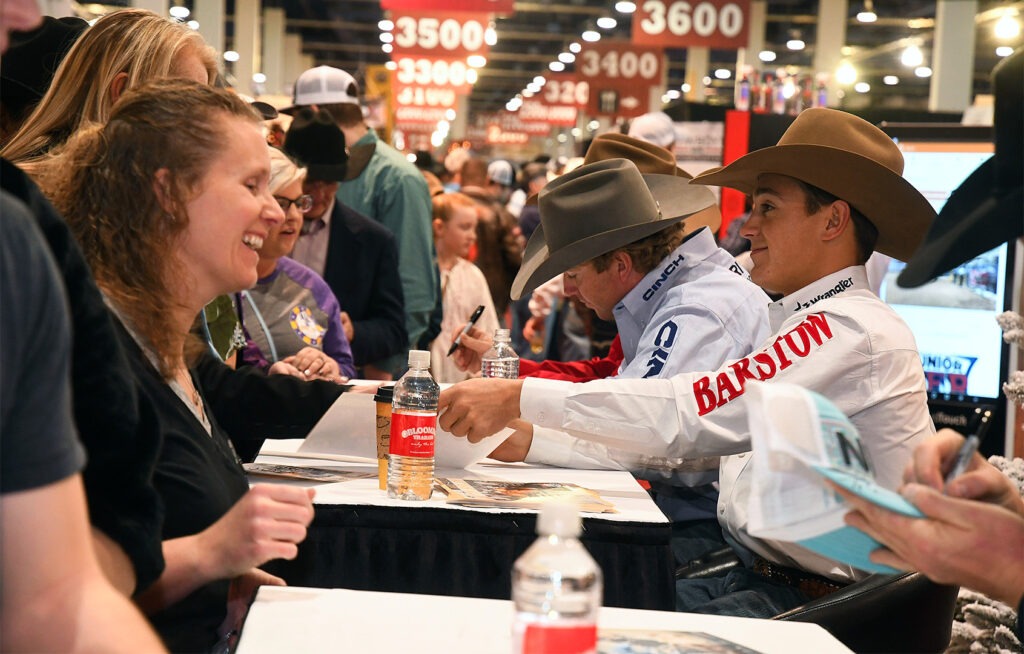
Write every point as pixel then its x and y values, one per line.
pixel 477 408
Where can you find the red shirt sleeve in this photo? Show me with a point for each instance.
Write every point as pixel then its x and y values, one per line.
pixel 576 371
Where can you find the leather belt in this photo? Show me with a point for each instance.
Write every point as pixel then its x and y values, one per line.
pixel 810 584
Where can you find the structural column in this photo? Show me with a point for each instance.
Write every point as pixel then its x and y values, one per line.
pixel 273 50
pixel 210 16
pixel 756 21
pixel 952 81
pixel 828 47
pixel 247 43
pixel 293 64
pixel 697 60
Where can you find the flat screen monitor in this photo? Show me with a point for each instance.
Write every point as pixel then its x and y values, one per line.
pixel 953 317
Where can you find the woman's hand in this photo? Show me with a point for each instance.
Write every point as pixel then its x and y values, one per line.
pixel 267 523
pixel 240 595
pixel 314 364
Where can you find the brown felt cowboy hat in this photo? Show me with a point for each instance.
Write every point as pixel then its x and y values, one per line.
pixel 649 159
pixel 849 158
pixel 987 209
pixel 597 208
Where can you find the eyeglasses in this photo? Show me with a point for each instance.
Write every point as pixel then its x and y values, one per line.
pixel 303 203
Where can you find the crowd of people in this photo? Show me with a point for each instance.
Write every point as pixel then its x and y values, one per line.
pixel 196 283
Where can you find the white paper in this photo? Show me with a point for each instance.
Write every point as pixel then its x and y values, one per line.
pixel 349 428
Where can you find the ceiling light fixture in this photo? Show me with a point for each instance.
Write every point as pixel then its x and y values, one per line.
pixel 795 44
pixel 385 25
pixel 723 73
pixel 766 55
pixel 890 80
pixel 179 12
pixel 625 7
pixel 193 24
pixel 575 47
pixel 386 37
pixel 912 57
pixel 1004 51
pixel 476 61
pixel 1006 27
pixel 607 22
pixel 868 15
pixel 556 66
pixel 846 74
pixel 861 87
pixel 230 55
pixel 591 36
pixel 923 71
pixel 567 57
pixel 387 48
pixel 490 35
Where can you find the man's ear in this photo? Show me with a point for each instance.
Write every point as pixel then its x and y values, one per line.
pixel 117 86
pixel 621 264
pixel 838 220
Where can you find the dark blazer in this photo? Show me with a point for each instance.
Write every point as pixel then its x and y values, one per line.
pixel 362 270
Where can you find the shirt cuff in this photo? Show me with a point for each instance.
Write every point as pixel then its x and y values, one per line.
pixel 542 401
pixel 550 447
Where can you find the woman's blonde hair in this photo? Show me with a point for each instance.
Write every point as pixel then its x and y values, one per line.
pixel 136 42
pixel 283 170
pixel 123 188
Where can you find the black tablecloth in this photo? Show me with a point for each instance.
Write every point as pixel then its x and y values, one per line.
pixel 468 553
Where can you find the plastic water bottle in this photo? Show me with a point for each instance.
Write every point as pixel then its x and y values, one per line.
pixel 413 423
pixel 501 360
pixel 556 588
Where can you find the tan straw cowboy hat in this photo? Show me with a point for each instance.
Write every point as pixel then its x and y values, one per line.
pixel 849 158
pixel 597 208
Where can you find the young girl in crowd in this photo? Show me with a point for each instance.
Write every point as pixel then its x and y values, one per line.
pixel 167 223
pixel 291 314
pixel 463 286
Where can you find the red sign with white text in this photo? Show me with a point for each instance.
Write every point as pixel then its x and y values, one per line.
pixel 621 76
pixel 503 7
pixel 447 35
pixel 426 71
pixel 690 23
pixel 534 110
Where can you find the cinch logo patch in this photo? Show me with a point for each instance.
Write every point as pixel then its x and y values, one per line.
pixel 663 340
pixel 947 374
pixel 665 274
pixel 788 348
pixel 305 326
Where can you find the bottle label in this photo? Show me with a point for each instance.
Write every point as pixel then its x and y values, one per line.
pixel 552 639
pixel 412 433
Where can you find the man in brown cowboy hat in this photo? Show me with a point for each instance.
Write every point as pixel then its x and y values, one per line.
pixel 680 303
pixel 827 195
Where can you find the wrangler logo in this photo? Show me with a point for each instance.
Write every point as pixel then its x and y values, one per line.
pixel 729 385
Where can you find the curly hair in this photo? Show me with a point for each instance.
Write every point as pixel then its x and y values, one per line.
pixel 136 42
pixel 123 188
pixel 647 252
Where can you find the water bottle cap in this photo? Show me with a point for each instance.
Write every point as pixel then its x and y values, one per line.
pixel 419 359
pixel 559 518
pixel 502 335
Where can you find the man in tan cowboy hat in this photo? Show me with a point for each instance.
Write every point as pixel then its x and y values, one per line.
pixel 827 195
pixel 680 303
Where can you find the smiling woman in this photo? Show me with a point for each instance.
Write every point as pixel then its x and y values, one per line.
pixel 167 222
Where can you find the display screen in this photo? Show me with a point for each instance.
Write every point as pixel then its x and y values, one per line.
pixel 953 317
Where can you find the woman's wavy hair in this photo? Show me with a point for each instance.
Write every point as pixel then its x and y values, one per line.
pixel 137 42
pixel 123 188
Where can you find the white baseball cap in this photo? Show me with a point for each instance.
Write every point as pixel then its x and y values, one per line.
pixel 501 172
pixel 655 127
pixel 324 85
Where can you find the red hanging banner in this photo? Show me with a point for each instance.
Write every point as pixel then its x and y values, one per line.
pixel 685 23
pixel 621 76
pixel 445 35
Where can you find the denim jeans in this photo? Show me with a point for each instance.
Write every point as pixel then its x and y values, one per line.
pixel 740 592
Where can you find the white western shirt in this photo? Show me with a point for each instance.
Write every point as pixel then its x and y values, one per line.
pixel 834 337
pixel 695 311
